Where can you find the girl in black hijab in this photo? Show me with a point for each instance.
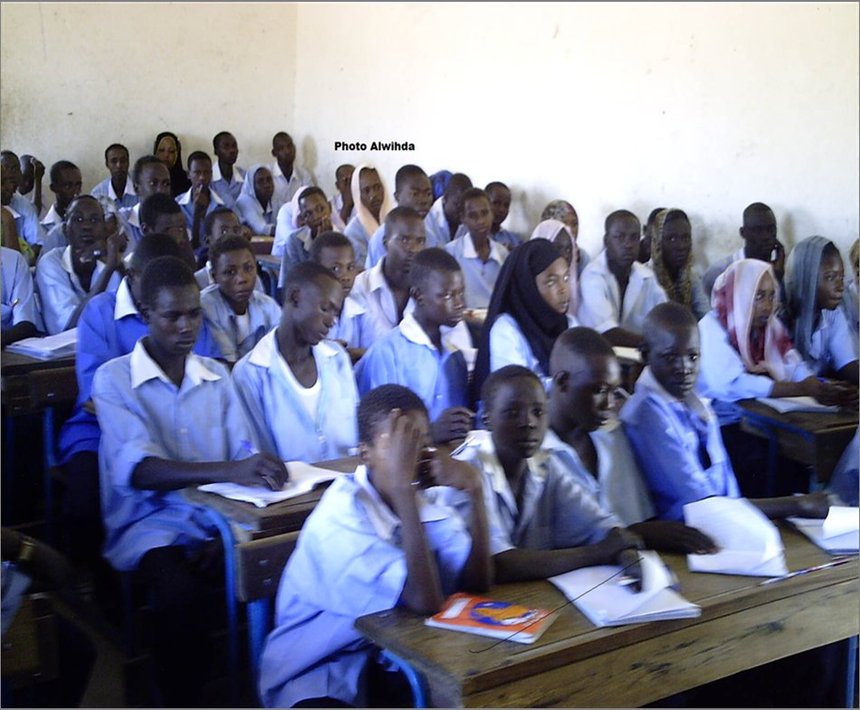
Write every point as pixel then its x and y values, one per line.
pixel 168 150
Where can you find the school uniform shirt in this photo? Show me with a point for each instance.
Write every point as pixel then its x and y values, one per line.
pixel 357 234
pixel 260 221
pixel 297 249
pixel 600 304
pixel 284 226
pixel 228 190
pixel 619 486
pixel 236 336
pixel 480 276
pixel 283 425
pixel 336 204
pixel 723 376
pixel 436 226
pixel 60 289
pixel 129 217
pixel 51 219
pixel 375 248
pixel 285 189
pixel 19 301
pixel 508 346
pixel 109 327
pixel 406 356
pixel 26 220
pixel 54 239
pixel 185 201
pixel 851 305
pixel 349 562
pixel 509 240
pixel 351 326
pixel 710 276
pixel 678 446
pixel 143 414
pixel 556 512
pixel 128 198
pixel 833 344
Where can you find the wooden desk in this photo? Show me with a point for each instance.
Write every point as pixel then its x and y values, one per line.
pixel 15 383
pixel 575 664
pixel 815 439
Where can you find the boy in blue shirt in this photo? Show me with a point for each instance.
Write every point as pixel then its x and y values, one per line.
pixel 118 187
pixel 31 234
pixel 20 313
pixel 66 184
pixel 227 177
pixel 374 541
pixel 149 176
pixel 200 199
pixel 170 419
pixel 314 218
pixel 443 219
pixel 499 195
pixel 298 388
pixel 416 355
pixel 237 314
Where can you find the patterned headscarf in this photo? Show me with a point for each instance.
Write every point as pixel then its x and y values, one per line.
pixel 680 291
pixel 732 301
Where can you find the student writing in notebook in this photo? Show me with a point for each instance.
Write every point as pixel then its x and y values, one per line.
pixel 374 541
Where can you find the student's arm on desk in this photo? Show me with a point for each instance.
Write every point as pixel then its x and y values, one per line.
pixel 168 475
pixel 672 536
pixel 19 331
pixel 809 505
pixel 827 392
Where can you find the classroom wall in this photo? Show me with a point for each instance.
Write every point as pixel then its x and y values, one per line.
pixel 703 106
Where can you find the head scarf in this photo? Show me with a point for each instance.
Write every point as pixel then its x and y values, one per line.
pixel 292 207
pixel 549 229
pixel 680 291
pixel 516 293
pixel 440 181
pixel 368 221
pixel 557 209
pixel 732 302
pixel 248 183
pixel 801 289
pixel 179 181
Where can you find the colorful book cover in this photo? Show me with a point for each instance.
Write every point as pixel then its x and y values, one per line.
pixel 490 617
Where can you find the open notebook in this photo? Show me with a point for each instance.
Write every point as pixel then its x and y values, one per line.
pixel 303 479
pixel 610 603
pixel 749 543
pixel 796 404
pixel 53 347
pixel 838 533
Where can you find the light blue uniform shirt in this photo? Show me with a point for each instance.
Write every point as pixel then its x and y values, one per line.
pixel 228 190
pixel 667 448
pixel 60 288
pixel 436 226
pixel 283 425
pixel 352 326
pixel 130 220
pixel 128 198
pixel 19 302
pixel 509 240
pixel 833 344
pixel 407 357
pixel 296 251
pixel 480 276
pixel 54 239
pixel 263 314
pixel 142 414
pixel 185 201
pixel 557 511
pixel 259 221
pixel 27 220
pixel 357 234
pixel 286 189
pixel 375 248
pixel 349 562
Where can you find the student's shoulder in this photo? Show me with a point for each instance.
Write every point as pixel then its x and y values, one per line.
pixel 23 206
pixel 113 374
pixel 13 262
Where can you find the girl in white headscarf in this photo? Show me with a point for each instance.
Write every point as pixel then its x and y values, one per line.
pixel 255 203
pixel 372 202
pixel 561 235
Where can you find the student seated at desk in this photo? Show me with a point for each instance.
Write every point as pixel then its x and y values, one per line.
pixel 479 256
pixel 67 279
pixel 542 521
pixel 564 239
pixel 313 217
pixel 255 204
pixel 443 220
pixel 168 150
pixel 66 184
pixel 527 312
pixel 159 214
pixel 672 261
pixel 351 328
pixel 30 233
pixel 342 207
pixel 200 199
pixel 238 316
pixel 416 354
pixel 149 176
pixel 674 433
pixel 220 223
pixel 814 287
pixel 373 542
pixel 617 291
pixel 227 177
pixel 372 203
pixel 565 212
pixel 118 185
pixel 21 317
pixel 298 388
pixel 171 419
pixel 500 202
pixel 587 439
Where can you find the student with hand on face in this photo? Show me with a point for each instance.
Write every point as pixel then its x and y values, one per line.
pixel 375 540
pixel 227 177
pixel 295 375
pixel 372 204
pixel 313 215
pixel 149 177
pixel 342 207
pixel 118 186
pixel 32 172
pixel 28 234
pixel 418 356
pixel 255 204
pixel 168 150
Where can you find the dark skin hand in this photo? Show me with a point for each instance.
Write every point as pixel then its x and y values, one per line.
pixel 452 425
pixel 671 536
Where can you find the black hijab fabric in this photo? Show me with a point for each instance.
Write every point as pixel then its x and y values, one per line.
pixel 516 293
pixel 179 181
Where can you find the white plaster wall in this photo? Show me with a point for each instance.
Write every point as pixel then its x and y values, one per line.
pixel 702 106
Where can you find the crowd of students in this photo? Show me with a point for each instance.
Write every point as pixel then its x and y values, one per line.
pixel 412 329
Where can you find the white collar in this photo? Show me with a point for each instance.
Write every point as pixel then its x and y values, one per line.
pixel 469 251
pixel 66 260
pixel 351 308
pixel 185 197
pixel 11 211
pixel 124 305
pixel 376 279
pixel 216 173
pixel 277 172
pixel 648 384
pixel 53 216
pixel 129 188
pixel 265 352
pixel 143 368
pixel 413 332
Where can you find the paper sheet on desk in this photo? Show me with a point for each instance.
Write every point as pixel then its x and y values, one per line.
pixel 749 543
pixel 51 347
pixel 838 533
pixel 303 479
pixel 796 404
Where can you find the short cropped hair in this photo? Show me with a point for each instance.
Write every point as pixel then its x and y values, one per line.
pixel 329 240
pixel 614 216
pixel 755 208
pixel 164 272
pixel 399 214
pixel 508 373
pixel 582 341
pixel 80 198
pixel 152 246
pixel 459 182
pixel 496 183
pixel 312 190
pixel 306 272
pixel 218 137
pixel 377 404
pixel 155 206
pixel 428 261
pixel 197 155
pixel 140 164
pixel 59 166
pixel 116 145
pixel 473 193
pixel 404 172
pixel 227 243
pixel 210 218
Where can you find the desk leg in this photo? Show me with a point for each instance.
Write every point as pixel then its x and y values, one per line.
pixel 8 466
pixel 772 448
pixel 414 678
pixel 259 624
pixel 851 673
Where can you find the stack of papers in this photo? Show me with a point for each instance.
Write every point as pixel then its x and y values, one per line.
pixel 52 347
pixel 749 543
pixel 838 533
pixel 596 592
pixel 796 404
pixel 303 479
